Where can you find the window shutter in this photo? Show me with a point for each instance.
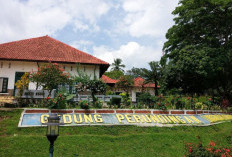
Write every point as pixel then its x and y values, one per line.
pixel 4 85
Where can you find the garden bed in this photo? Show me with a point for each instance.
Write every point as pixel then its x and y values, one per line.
pixel 133 111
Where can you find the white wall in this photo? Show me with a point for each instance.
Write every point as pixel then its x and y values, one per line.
pixel 139 90
pixel 11 67
pixel 134 90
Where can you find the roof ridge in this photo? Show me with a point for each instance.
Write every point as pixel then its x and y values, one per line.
pixel 110 77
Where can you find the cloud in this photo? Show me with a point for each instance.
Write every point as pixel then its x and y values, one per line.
pixel 133 30
pixel 132 54
pixel 25 19
pixel 147 17
pixel 82 45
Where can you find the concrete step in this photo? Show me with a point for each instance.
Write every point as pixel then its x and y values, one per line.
pixel 6 99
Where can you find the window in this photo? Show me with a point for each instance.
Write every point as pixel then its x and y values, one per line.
pixel 3 84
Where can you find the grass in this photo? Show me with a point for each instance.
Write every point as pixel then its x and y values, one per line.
pixel 105 140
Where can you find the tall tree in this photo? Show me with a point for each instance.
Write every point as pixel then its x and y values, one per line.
pixel 135 72
pixel 85 83
pixel 199 47
pixel 153 75
pixel 117 65
pixel 115 74
pixel 125 82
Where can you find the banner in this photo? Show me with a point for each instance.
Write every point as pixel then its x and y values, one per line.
pixel 80 119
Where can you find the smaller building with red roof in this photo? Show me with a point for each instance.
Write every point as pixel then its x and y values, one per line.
pixel 139 86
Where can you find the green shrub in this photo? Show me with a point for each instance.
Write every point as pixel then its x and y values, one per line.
pixel 162 106
pixel 84 104
pixel 146 98
pixel 126 99
pixel 179 103
pixel 98 104
pixel 199 106
pixel 9 105
pixel 190 103
pixel 61 100
pixel 109 104
pixel 116 101
pixel 139 105
pixel 109 92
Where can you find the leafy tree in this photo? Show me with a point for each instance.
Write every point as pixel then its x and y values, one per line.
pixel 117 65
pixel 94 85
pixel 199 47
pixel 135 72
pixel 115 74
pixel 49 76
pixel 125 82
pixel 153 75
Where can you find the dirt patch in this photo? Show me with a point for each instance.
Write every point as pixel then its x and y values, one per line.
pixel 9 109
pixel 4 118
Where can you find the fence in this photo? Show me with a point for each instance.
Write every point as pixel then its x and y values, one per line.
pixel 41 94
pixel 104 98
pixel 35 94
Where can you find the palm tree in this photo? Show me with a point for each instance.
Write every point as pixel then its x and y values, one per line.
pixel 153 75
pixel 117 65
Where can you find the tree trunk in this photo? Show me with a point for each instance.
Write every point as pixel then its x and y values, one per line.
pixel 94 98
pixel 49 93
pixel 156 88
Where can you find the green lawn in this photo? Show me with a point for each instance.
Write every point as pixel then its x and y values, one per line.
pixel 105 140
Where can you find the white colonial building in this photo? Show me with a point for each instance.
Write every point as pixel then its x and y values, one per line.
pixel 27 55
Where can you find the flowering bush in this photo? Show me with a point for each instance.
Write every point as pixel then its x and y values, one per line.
pixel 162 106
pixel 190 103
pixel 225 103
pixel 208 103
pixel 178 103
pixel 161 103
pixel 49 76
pixel 84 104
pixel 197 150
pixel 59 102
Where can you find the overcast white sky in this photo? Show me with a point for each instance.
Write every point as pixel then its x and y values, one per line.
pixel 133 30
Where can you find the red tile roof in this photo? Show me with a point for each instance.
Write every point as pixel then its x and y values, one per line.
pixel 47 49
pixel 138 82
pixel 106 79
